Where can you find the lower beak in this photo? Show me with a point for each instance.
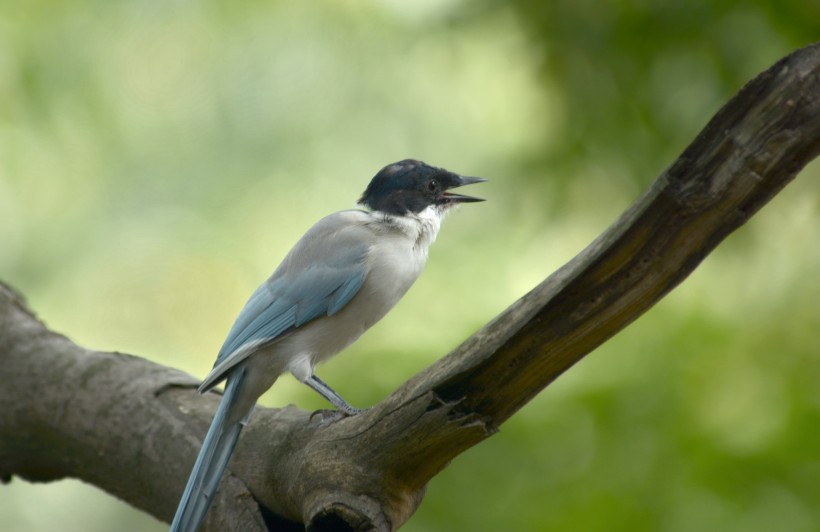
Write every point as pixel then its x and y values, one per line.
pixel 461 198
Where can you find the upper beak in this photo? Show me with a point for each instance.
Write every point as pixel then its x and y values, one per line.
pixel 461 198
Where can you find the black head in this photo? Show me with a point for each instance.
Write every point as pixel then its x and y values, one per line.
pixel 410 186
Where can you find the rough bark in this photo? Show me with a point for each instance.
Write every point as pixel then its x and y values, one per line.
pixel 133 428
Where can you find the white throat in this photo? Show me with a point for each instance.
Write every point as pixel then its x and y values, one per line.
pixel 421 227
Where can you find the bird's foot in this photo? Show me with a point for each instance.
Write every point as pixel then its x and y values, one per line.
pixel 331 416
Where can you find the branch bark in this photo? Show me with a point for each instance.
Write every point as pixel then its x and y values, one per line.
pixel 133 428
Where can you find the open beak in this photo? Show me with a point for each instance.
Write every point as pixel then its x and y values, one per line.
pixel 450 197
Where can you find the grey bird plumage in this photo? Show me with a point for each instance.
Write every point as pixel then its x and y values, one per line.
pixel 339 279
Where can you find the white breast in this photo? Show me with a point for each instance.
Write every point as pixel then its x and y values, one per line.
pixel 396 259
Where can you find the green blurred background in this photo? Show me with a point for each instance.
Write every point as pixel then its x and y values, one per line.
pixel 157 160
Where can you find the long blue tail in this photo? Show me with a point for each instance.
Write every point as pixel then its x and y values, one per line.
pixel 212 459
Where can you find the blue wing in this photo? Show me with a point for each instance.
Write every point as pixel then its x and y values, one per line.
pixel 322 273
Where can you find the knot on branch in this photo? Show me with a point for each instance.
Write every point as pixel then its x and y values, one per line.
pixel 332 511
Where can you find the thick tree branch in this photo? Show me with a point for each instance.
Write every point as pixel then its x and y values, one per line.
pixel 134 428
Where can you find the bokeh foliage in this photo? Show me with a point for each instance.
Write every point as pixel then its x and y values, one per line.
pixel 157 159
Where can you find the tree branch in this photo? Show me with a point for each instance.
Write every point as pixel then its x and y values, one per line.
pixel 133 428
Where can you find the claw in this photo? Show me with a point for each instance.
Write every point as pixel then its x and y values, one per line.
pixel 328 416
pixel 332 416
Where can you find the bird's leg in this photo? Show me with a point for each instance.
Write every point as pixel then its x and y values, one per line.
pixel 335 399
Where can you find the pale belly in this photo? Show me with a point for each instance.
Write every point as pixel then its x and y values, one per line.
pixel 391 274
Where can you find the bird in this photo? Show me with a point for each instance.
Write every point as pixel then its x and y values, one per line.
pixel 345 274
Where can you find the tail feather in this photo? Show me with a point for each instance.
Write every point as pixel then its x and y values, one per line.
pixel 212 459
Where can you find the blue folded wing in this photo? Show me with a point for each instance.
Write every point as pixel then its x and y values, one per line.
pixel 265 315
pixel 297 293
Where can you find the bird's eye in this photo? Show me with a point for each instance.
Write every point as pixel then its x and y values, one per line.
pixel 432 185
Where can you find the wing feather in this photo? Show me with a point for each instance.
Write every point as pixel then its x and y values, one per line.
pixel 319 277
